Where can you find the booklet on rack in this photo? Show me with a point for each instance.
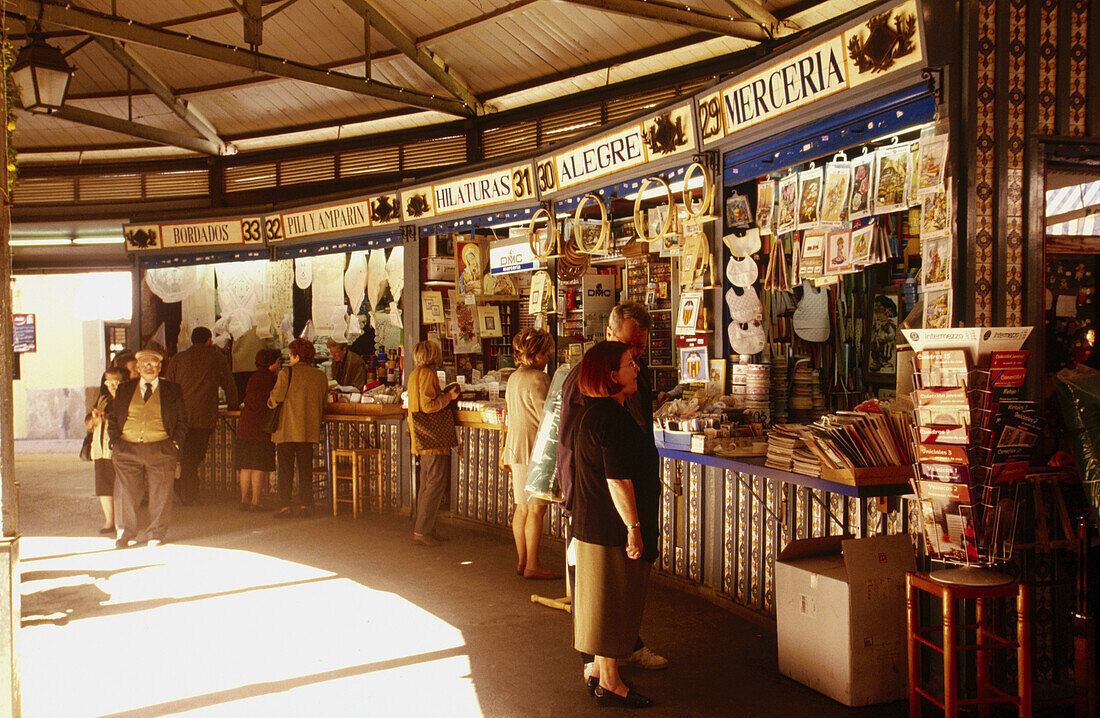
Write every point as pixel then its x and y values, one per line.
pixel 947 519
pixel 940 368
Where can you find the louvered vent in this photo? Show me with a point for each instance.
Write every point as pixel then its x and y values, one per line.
pixel 377 160
pixel 319 168
pixel 439 152
pixel 622 108
pixel 510 139
pixel 246 177
pixel 45 190
pixel 106 188
pixel 185 183
pixel 566 125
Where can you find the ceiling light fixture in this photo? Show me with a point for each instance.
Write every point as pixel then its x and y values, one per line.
pixel 42 75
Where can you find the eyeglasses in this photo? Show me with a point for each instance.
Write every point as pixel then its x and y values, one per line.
pixel 630 363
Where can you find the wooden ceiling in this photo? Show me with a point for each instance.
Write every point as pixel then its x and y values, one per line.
pixel 192 77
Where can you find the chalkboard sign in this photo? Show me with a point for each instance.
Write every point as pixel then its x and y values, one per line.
pixel 23 339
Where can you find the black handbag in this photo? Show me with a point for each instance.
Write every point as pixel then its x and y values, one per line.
pixel 86 447
pixel 269 422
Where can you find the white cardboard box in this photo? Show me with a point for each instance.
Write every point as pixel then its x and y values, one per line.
pixel 440 269
pixel 840 616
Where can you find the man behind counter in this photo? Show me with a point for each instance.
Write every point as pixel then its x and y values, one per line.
pixel 348 368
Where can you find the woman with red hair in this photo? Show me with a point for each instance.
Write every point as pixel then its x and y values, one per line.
pixel 616 490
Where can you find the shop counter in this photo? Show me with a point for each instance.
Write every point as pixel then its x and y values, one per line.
pixel 344 426
pixel 723 521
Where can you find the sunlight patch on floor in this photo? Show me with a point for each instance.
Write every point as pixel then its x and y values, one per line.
pixel 186 629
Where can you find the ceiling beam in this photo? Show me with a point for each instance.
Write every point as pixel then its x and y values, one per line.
pixel 138 33
pixel 755 10
pixel 745 29
pixel 72 113
pixel 158 87
pixel 428 61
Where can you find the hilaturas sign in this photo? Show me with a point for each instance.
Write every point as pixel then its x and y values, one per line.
pixel 878 46
pixel 503 186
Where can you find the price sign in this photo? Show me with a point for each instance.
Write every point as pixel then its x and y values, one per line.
pixel 23 339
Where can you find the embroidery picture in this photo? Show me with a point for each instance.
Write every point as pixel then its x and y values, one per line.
pixel 788 203
pixel 863 169
pixel 765 206
pixel 809 198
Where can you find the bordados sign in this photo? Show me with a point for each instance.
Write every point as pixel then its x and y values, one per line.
pixel 202 234
pixel 876 47
pixel 665 134
pixel 499 187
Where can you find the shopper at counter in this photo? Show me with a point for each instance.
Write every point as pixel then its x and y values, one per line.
pixel 254 448
pixel 525 394
pixel 301 389
pixel 348 368
pixel 199 370
pixel 433 437
pixel 630 324
pixel 96 423
pixel 147 425
pixel 616 491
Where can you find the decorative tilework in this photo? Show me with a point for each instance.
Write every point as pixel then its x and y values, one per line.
pixel 820 528
pixel 1013 191
pixel 744 538
pixel 694 546
pixel 667 500
pixel 801 525
pixel 771 497
pixel 984 163
pixel 1048 66
pixel 482 470
pixel 1078 65
pixel 463 470
pixel 492 472
pixel 837 514
pixel 729 531
pixel 756 537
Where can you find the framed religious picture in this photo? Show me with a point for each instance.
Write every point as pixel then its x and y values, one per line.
pixel 883 314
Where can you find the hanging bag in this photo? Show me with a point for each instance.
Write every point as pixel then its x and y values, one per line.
pixel 811 318
pixel 269 422
pixel 86 447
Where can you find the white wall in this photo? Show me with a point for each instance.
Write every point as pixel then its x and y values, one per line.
pixel 69 312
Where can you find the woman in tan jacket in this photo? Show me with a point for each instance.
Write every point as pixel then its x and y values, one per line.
pixel 433 437
pixel 525 395
pixel 301 389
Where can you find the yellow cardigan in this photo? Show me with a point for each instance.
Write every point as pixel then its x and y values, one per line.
pixel 427 396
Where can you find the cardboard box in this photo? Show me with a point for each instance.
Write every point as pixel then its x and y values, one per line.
pixel 440 269
pixel 840 616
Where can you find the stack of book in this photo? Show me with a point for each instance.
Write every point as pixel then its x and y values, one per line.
pixel 779 387
pixel 783 441
pixel 972 439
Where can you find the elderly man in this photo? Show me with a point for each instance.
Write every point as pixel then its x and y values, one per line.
pixel 200 370
pixel 147 425
pixel 348 368
pixel 629 323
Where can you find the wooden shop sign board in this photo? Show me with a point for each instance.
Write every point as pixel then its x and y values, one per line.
pixel 472 192
pixel 203 234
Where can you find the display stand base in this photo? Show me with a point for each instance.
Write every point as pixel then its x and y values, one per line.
pixel 970 576
pixel 562 604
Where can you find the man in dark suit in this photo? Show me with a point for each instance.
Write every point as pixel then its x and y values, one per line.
pixel 147 425
pixel 199 371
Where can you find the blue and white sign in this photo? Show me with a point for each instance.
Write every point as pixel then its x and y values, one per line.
pixel 507 256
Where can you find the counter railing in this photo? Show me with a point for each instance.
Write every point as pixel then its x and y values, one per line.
pixel 723 521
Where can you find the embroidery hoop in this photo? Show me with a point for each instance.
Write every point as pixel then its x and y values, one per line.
pixel 605 225
pixel 554 237
pixel 708 194
pixel 639 223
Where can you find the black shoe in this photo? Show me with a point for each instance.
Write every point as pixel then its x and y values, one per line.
pixel 122 543
pixel 592 684
pixel 632 699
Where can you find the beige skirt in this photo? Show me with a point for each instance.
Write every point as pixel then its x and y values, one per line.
pixel 608 600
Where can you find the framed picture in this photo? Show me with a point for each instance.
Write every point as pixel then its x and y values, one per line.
pixel 694 367
pixel 470 267
pixel 882 333
pixel 431 306
pixel 691 304
pixel 717 382
pixel 838 252
pixel 488 320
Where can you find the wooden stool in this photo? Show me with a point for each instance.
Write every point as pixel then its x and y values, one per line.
pixel 987 694
pixel 372 475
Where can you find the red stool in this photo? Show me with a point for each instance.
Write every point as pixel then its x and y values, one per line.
pixel 986 642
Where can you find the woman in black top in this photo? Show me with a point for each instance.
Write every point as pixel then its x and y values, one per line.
pixel 616 491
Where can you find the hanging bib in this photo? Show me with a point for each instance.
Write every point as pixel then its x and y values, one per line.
pixel 744 245
pixel 742 272
pixel 744 304
pixel 811 318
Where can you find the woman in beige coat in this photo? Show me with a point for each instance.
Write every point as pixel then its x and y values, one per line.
pixel 433 437
pixel 525 395
pixel 301 389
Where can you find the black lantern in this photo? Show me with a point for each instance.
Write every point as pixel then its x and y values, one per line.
pixel 42 75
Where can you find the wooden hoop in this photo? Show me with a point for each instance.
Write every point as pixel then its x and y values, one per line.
pixel 554 238
pixel 605 226
pixel 639 221
pixel 708 192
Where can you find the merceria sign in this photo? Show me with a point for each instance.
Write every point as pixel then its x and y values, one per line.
pixel 870 49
